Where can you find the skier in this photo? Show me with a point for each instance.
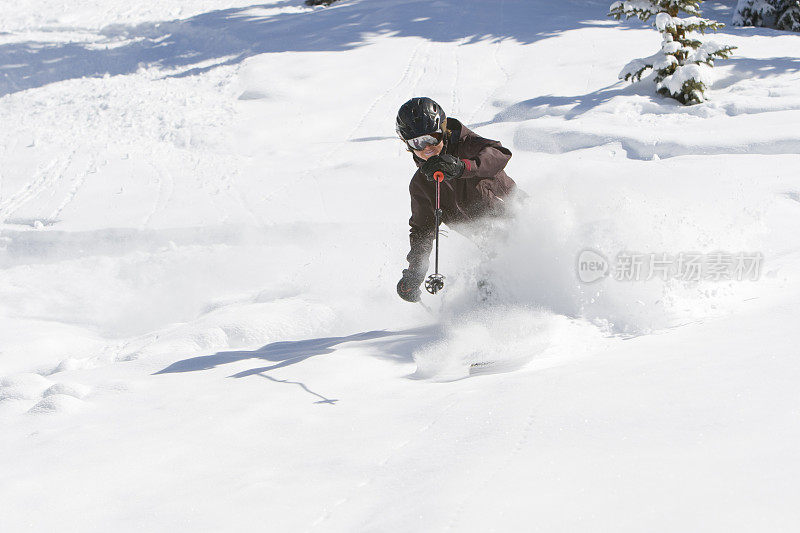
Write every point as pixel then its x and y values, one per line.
pixel 476 189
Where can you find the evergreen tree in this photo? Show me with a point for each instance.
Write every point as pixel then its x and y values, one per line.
pixel 780 14
pixel 682 68
pixel 319 2
pixel 788 15
pixel 753 12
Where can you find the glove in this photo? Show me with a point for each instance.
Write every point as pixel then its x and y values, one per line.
pixel 408 286
pixel 451 166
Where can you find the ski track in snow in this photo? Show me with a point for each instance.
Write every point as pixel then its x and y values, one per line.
pixel 78 184
pixel 158 202
pixel 395 450
pixel 480 486
pixel 45 179
pixel 406 75
pixel 242 200
pixel 495 91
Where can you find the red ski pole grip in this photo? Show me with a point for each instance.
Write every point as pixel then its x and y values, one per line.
pixel 438 176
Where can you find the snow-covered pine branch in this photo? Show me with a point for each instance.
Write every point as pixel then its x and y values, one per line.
pixel 633 71
pixel 644 9
pixel 632 8
pixel 666 22
pixel 683 65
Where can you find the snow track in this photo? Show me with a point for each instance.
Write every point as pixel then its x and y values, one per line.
pixel 45 179
pixel 409 72
pixel 75 187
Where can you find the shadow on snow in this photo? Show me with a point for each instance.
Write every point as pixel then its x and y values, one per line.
pixel 570 107
pixel 394 345
pixel 228 36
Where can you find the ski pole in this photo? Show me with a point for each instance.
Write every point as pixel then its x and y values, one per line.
pixel 435 281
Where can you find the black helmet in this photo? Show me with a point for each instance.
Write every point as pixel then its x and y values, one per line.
pixel 419 116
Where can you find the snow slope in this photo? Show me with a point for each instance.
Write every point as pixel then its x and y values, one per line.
pixel 203 216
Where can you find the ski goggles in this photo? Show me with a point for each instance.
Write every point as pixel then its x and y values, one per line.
pixel 418 143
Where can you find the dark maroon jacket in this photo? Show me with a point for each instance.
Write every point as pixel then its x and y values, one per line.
pixel 477 194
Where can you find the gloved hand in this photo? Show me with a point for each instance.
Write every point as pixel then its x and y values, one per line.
pixel 451 166
pixel 408 286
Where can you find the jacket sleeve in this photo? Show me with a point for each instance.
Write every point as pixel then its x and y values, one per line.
pixel 483 158
pixel 423 223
